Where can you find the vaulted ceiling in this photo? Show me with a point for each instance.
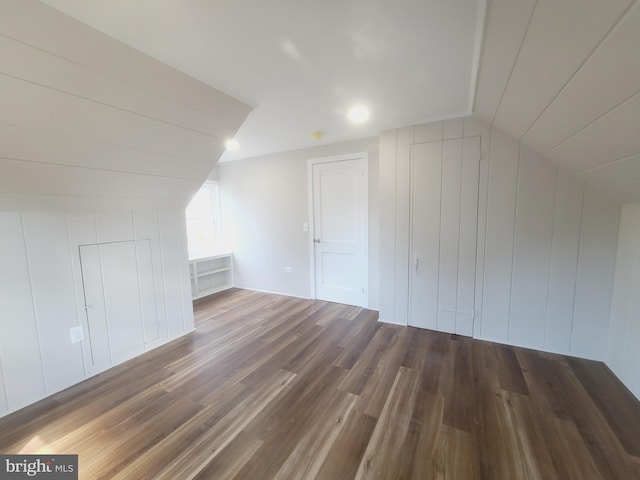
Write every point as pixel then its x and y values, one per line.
pixel 562 76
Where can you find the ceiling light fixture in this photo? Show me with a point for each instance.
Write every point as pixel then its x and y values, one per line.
pixel 358 114
pixel 231 144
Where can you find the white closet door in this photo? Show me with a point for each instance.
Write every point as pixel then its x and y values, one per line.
pixel 118 279
pixel 443 234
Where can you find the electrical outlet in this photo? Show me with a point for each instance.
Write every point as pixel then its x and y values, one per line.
pixel 305 227
pixel 77 334
pixel 288 269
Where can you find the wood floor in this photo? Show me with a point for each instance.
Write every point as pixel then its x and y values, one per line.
pixel 274 387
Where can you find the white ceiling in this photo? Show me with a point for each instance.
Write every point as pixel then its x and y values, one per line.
pixel 301 64
pixel 565 78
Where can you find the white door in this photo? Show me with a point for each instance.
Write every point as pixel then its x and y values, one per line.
pixel 339 229
pixel 444 202
pixel 118 285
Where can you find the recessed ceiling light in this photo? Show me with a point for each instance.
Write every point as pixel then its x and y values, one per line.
pixel 231 144
pixel 358 114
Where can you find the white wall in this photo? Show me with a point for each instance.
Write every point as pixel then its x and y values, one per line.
pixel 264 204
pixel 623 355
pixel 41 293
pixel 546 243
pixel 98 143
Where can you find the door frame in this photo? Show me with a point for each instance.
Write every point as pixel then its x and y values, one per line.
pixel 364 161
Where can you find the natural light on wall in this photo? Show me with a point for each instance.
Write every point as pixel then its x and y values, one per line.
pixel 203 222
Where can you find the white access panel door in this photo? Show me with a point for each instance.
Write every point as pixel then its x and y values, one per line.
pixel 444 203
pixel 121 316
pixel 339 231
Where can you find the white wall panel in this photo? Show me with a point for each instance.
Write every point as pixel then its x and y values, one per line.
pixel 532 248
pixel 402 220
pixel 146 226
pixel 539 251
pixel 624 334
pixel 146 281
pixel 114 226
pixel 564 262
pixel 42 295
pixel 503 174
pixel 387 188
pixel 122 299
pixel 426 190
pixel 474 126
pixel 468 242
pixel 453 128
pixel 185 276
pixel 97 341
pixel 596 264
pixel 20 340
pixel 168 223
pixel 449 234
pixel 54 301
pixel 429 132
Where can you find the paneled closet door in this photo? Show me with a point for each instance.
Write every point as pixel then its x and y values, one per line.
pixel 118 285
pixel 444 225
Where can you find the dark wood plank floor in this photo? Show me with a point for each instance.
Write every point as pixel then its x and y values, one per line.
pixel 275 387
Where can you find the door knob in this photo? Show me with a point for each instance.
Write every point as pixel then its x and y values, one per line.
pixel 316 240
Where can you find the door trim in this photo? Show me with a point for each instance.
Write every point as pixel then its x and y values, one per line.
pixel 364 160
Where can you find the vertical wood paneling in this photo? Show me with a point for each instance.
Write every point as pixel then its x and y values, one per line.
pixel 185 277
pixel 468 236
pixel 402 224
pixel 449 234
pixel 474 126
pixel 532 247
pixel 98 353
pixel 146 281
pixel 42 295
pixel 624 334
pixel 425 248
pixel 114 226
pixel 453 128
pixel 387 189
pixel 122 299
pixel 19 342
pixel 167 221
pixel 50 264
pixel 564 262
pixel 596 264
pixel 146 226
pixel 501 205
pixel 429 132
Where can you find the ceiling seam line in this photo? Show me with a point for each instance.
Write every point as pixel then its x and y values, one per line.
pixel 513 67
pixel 625 101
pixel 584 62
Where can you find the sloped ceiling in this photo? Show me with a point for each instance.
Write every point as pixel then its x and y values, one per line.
pixel 564 77
pixel 302 64
pixel 88 122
